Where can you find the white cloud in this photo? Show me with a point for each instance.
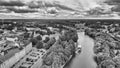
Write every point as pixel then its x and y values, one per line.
pixel 74 4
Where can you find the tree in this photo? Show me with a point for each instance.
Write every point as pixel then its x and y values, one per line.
pixel 62 38
pixel 67 52
pixel 48 32
pixel 107 64
pixel 48 60
pixel 39 37
pixel 62 58
pixel 59 51
pixel 26 35
pixel 39 45
pixel 46 40
pixel 49 43
pixel 75 37
pixel 100 58
pixel 34 41
pixel 46 46
pixel 117 61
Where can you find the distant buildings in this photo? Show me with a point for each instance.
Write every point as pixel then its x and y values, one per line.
pixel 13 56
pixel 13 46
pixel 12 49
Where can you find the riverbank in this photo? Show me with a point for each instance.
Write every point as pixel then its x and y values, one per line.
pixel 85 58
pixel 67 61
pixel 107 51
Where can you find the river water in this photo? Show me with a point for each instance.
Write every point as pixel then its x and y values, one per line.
pixel 85 58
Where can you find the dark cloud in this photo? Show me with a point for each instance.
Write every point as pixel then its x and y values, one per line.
pixel 40 4
pixel 11 3
pixel 20 10
pixel 117 1
pixel 116 4
pixel 113 2
pixel 64 7
pixel 33 5
pixel 24 10
pixel 116 9
pixel 16 6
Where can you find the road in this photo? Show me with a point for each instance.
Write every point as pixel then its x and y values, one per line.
pixel 36 64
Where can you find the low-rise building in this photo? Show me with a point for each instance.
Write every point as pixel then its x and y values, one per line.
pixel 13 55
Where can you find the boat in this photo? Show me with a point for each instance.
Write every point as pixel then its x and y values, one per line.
pixel 78 50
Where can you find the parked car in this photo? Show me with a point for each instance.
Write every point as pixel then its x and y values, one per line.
pixel 26 65
pixel 35 53
pixel 41 50
pixel 32 58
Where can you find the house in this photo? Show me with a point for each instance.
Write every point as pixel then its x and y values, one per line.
pixel 11 38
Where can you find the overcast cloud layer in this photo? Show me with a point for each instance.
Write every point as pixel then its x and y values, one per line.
pixel 44 6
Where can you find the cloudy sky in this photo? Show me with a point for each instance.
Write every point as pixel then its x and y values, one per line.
pixel 39 6
pixel 21 6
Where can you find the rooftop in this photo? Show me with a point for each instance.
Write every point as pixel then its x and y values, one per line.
pixel 9 54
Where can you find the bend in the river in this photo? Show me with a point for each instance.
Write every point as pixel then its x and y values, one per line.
pixel 85 59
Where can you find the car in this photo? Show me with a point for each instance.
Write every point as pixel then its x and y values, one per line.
pixel 26 65
pixel 35 53
pixel 32 58
pixel 41 50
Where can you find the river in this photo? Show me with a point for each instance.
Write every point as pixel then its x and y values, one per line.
pixel 85 58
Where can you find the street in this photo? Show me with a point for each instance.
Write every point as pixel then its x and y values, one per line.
pixel 36 64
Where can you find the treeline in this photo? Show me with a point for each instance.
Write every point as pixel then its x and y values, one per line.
pixel 107 51
pixel 45 44
pixel 91 33
pixel 60 52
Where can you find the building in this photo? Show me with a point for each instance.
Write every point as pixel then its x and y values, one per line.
pixel 13 56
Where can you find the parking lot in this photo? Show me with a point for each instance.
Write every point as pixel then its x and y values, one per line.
pixel 32 60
